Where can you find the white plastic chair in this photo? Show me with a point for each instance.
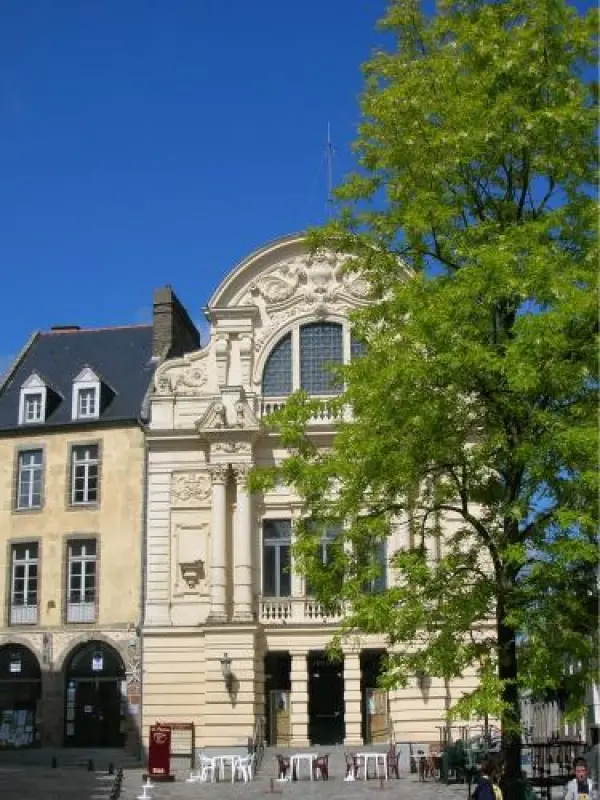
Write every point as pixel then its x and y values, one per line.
pixel 206 768
pixel 244 767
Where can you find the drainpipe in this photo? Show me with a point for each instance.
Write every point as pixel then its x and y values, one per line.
pixel 142 617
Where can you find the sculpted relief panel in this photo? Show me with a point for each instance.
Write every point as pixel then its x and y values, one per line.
pixel 190 489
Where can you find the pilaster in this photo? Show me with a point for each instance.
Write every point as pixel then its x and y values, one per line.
pixel 218 571
pixel 242 547
pixel 352 699
pixel 299 700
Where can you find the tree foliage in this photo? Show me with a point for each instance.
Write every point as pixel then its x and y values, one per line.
pixel 472 216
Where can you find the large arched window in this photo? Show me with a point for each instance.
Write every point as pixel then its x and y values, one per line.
pixel 321 347
pixel 277 375
pixel 303 358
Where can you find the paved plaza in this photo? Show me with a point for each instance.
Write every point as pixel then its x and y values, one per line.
pixel 30 782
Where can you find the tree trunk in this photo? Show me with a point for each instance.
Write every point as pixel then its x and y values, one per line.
pixel 511 716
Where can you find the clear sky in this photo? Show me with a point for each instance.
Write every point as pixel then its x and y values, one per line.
pixel 145 142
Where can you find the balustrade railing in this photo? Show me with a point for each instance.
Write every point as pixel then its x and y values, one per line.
pixel 281 610
pixel 324 415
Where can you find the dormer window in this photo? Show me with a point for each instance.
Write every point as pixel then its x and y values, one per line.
pixel 86 395
pixel 32 403
pixel 86 403
pixel 34 407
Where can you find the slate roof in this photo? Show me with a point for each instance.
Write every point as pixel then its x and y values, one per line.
pixel 121 357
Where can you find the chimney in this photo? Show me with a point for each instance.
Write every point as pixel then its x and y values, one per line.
pixel 173 332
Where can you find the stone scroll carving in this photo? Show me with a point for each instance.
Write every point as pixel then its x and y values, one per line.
pixel 307 279
pixel 187 376
pixel 231 447
pixel 190 488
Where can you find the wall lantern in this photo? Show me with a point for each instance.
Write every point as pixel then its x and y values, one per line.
pixel 226 667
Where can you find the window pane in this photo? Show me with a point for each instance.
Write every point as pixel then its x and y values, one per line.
pixel 277 529
pixel 269 554
pixel 285 577
pixel 321 345
pixel 277 375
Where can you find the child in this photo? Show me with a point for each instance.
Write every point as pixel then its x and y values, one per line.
pixel 580 788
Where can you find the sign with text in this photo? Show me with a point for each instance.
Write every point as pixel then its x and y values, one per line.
pixel 159 751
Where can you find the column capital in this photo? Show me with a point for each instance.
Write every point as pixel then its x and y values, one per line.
pixel 218 473
pixel 241 472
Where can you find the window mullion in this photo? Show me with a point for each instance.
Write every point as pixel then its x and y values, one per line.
pixel 295 359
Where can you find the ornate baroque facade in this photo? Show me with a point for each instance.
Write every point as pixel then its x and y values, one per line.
pixel 230 630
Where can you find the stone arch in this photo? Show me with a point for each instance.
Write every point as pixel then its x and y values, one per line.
pixel 20 694
pixel 13 653
pixel 75 644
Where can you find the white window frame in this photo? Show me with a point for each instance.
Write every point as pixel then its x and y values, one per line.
pixel 276 544
pixel 30 468
pixel 84 463
pixel 81 604
pixel 25 613
pixel 86 381
pixel 34 386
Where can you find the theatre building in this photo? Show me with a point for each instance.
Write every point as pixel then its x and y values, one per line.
pixel 72 464
pixel 231 632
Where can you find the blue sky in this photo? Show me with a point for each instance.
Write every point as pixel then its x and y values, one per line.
pixel 145 142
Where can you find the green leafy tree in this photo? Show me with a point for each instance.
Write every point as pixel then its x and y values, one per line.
pixel 472 217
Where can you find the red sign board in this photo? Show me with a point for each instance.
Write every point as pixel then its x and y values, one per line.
pixel 159 751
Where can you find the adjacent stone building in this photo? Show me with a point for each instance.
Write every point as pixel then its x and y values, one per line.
pixel 230 629
pixel 73 410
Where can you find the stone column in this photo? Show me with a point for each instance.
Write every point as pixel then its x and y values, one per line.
pixel 299 700
pixel 352 699
pixel 242 547
pixel 218 573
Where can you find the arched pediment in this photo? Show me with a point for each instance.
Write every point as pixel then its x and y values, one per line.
pixel 273 288
pixel 284 273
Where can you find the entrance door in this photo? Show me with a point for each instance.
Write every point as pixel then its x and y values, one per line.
pixel 376 701
pixel 95 697
pixel 279 716
pixel 97 714
pixel 325 700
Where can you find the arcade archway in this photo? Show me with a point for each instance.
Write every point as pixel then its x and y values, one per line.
pixel 20 690
pixel 95 697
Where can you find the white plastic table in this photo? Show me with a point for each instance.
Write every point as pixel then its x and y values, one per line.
pixel 222 761
pixel 379 759
pixel 297 759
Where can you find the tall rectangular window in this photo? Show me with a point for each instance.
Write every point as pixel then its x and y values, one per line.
pixel 326 551
pixel 84 474
pixel 86 403
pixel 33 407
pixel 81 581
pixel 30 478
pixel 375 556
pixel 24 584
pixel 277 542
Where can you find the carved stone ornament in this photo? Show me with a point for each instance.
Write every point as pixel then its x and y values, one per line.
pixel 192 572
pixel 231 447
pixel 190 381
pixel 308 280
pixel 241 472
pixel 189 488
pixel 182 376
pixel 219 473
